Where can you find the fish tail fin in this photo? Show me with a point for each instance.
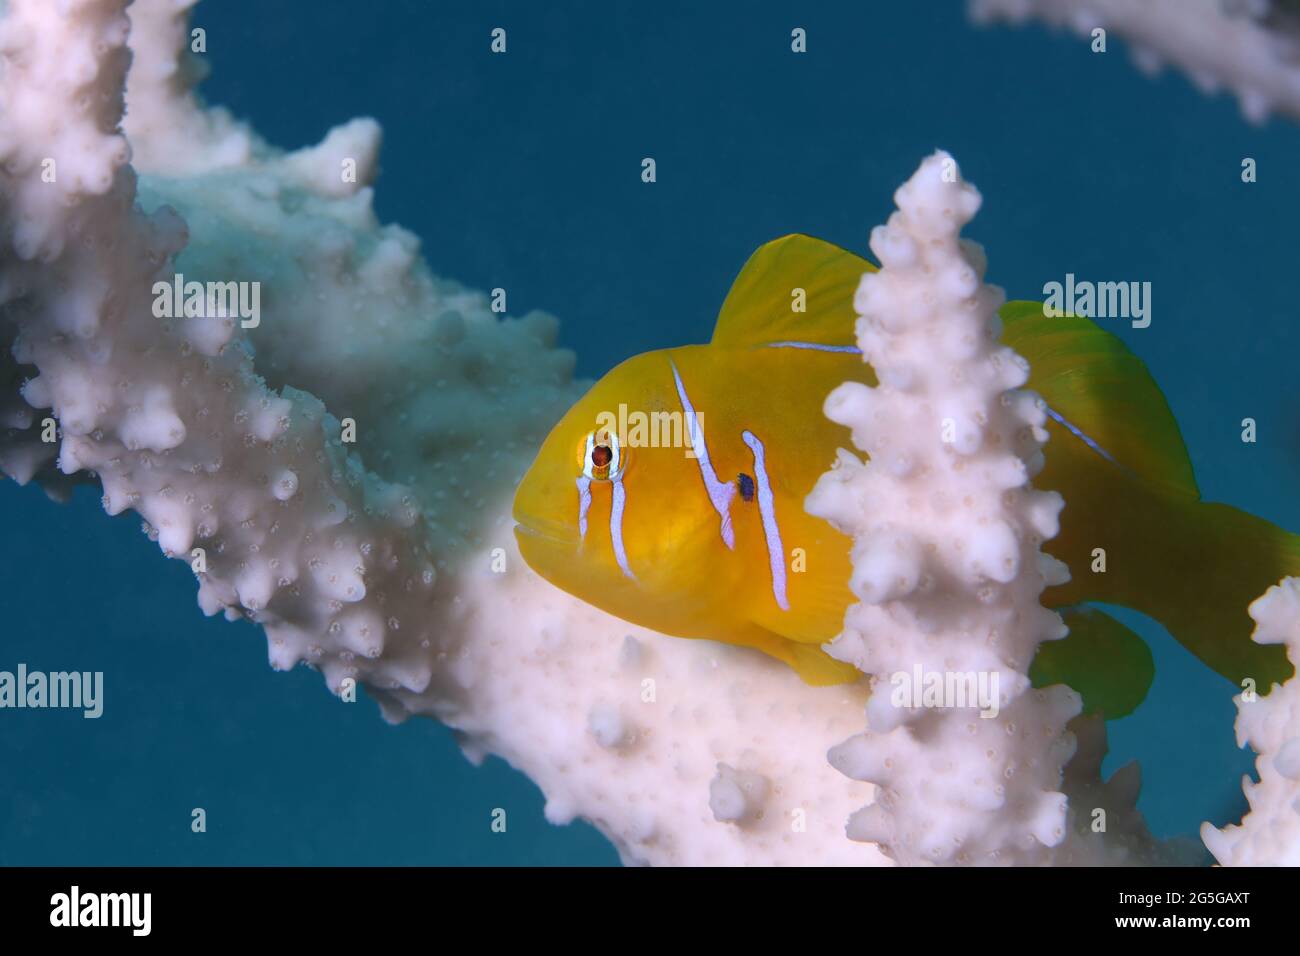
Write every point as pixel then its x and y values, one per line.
pixel 1134 530
pixel 1211 561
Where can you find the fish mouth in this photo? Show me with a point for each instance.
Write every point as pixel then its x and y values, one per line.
pixel 546 553
pixel 525 530
pixel 536 541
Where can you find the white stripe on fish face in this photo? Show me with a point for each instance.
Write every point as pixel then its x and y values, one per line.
pixel 617 502
pixel 767 511
pixel 720 493
pixel 584 502
pixel 616 527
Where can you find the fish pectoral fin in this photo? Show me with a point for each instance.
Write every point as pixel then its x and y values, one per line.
pixel 818 668
pixel 809 661
pixel 793 289
pixel 1106 663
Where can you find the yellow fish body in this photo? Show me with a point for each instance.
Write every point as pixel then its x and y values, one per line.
pixel 672 494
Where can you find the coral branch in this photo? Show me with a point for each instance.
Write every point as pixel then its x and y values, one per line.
pixel 947 561
pixel 1250 46
pixel 1269 835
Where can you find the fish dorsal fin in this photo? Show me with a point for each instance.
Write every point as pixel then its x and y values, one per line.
pixel 1106 396
pixel 763 306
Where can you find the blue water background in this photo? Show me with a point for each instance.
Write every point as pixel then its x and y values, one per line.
pixel 523 171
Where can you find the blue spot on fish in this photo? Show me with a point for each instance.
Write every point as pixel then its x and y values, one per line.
pixel 746 486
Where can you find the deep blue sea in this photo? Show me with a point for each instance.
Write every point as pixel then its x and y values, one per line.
pixel 523 171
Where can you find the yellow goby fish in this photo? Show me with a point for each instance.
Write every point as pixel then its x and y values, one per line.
pixel 672 494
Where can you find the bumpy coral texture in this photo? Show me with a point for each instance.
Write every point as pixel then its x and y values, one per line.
pixel 1269 835
pixel 947 564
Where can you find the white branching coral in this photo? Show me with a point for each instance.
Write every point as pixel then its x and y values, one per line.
pixel 389 560
pixel 1269 835
pixel 1252 47
pixel 947 562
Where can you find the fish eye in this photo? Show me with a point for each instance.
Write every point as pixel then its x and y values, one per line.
pixel 601 456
